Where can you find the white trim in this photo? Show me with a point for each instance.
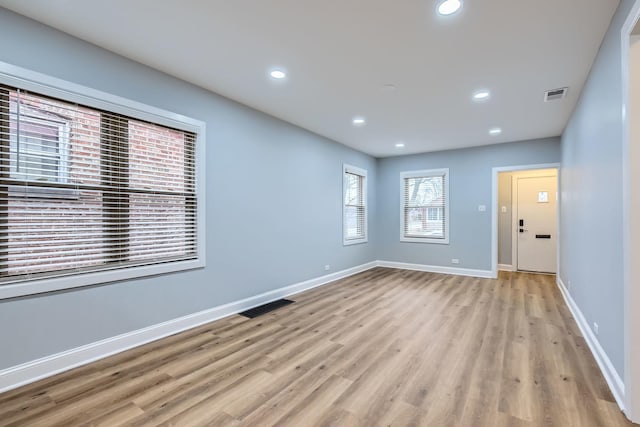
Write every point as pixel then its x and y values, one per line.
pixel 608 370
pixel 419 174
pixel 495 208
pixel 514 223
pixel 63 152
pixel 506 267
pixel 29 372
pixel 71 281
pixel 437 269
pixel 363 173
pixel 58 88
pixel 631 274
pixel 68 91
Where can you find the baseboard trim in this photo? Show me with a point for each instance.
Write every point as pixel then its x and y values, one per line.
pixel 506 267
pixel 608 370
pixel 486 274
pixel 29 372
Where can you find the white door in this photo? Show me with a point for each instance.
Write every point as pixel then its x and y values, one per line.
pixel 537 223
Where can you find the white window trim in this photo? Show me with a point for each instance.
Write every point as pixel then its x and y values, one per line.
pixel 63 147
pixel 50 86
pixel 363 173
pixel 418 174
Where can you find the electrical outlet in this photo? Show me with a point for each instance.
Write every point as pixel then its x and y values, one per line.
pixel 482 208
pixel 327 267
pixel 595 328
pixel 455 261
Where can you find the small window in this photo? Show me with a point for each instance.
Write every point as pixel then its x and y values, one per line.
pixel 38 142
pixel 424 215
pixel 355 205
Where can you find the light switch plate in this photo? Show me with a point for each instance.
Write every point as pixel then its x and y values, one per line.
pixel 482 208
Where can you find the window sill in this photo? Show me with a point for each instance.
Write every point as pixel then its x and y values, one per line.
pixel 424 240
pixel 15 290
pixel 354 241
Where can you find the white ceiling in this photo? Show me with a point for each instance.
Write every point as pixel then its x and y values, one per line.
pixel 339 54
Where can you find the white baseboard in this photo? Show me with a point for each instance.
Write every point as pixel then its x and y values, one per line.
pixel 506 267
pixel 610 374
pixel 29 372
pixel 487 274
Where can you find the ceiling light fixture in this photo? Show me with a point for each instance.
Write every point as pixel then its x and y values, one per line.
pixel 449 7
pixel 278 74
pixel 481 95
pixel 495 131
pixel 359 121
pixel 400 145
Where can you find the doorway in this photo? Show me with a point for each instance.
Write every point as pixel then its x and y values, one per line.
pixel 631 208
pixel 527 209
pixel 503 232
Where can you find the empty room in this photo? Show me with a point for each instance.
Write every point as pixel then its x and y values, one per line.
pixel 319 213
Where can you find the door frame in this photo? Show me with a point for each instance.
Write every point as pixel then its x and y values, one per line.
pixel 630 223
pixel 495 208
pixel 514 212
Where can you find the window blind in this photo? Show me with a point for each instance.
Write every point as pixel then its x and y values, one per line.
pixel 83 189
pixel 354 206
pixel 424 206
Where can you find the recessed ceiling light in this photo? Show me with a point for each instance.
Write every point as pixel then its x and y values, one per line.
pixel 278 74
pixel 448 7
pixel 495 131
pixel 400 145
pixel 359 121
pixel 481 95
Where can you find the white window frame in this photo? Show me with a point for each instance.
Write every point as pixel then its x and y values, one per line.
pixel 50 86
pixel 425 174
pixel 62 173
pixel 363 173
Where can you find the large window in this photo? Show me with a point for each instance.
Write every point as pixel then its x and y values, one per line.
pixel 355 205
pixel 88 190
pixel 424 211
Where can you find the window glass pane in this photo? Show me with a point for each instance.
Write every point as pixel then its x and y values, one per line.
pixel 156 157
pixel 353 191
pixel 424 207
pixel 354 222
pixel 424 190
pixel 159 227
pixel 46 234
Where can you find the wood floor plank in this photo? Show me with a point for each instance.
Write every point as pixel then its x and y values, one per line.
pixel 384 347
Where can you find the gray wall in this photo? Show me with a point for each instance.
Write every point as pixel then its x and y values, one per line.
pixel 293 179
pixel 505 226
pixel 591 179
pixel 470 186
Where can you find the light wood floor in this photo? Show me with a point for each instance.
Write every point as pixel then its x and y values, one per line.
pixel 385 347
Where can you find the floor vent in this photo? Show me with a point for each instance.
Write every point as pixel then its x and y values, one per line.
pixel 266 308
pixel 555 94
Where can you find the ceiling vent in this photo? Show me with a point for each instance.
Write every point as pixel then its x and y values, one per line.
pixel 555 94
